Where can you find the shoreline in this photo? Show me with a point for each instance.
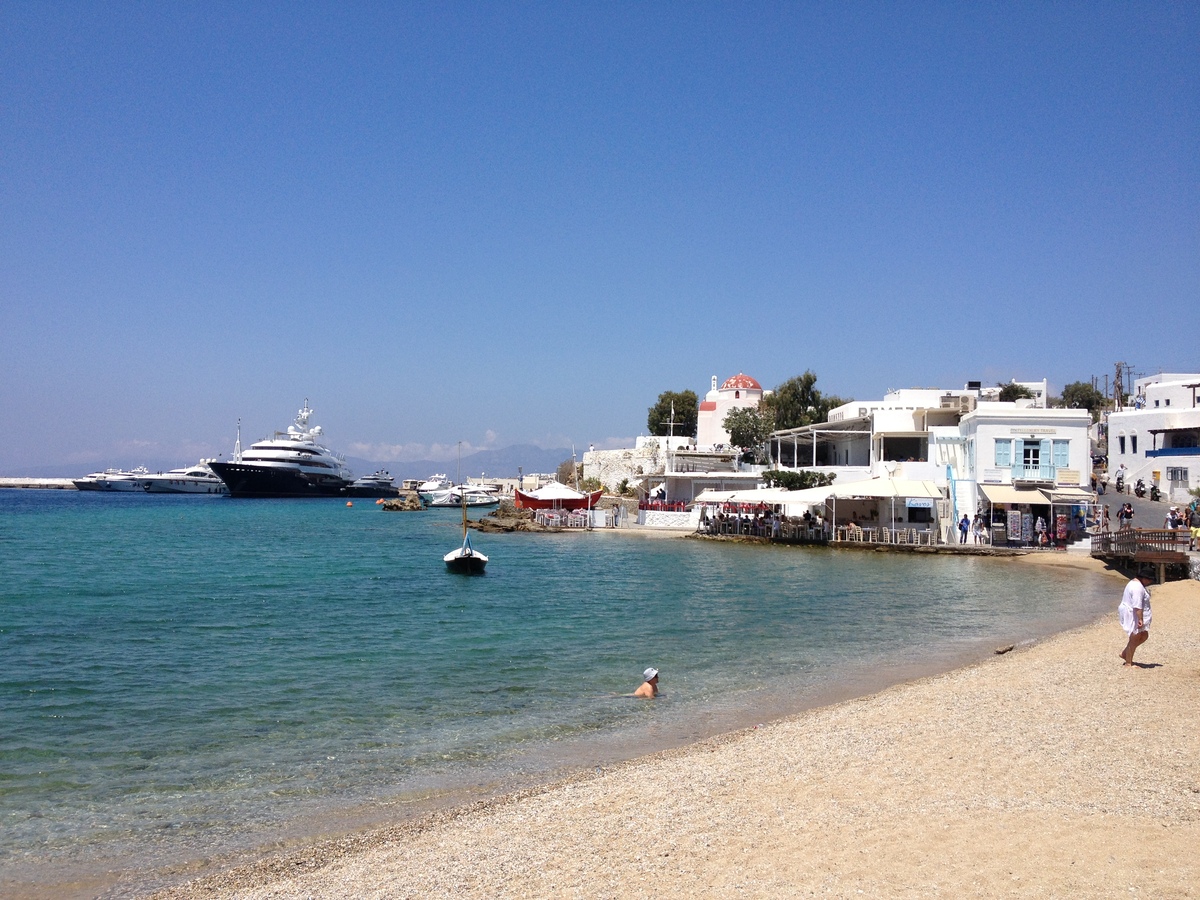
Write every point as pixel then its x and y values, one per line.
pixel 545 840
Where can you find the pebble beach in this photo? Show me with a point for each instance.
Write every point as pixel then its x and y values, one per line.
pixel 1047 771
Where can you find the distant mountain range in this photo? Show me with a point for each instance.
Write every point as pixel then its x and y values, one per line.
pixel 497 463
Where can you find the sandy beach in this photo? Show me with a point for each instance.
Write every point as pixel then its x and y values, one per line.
pixel 1049 771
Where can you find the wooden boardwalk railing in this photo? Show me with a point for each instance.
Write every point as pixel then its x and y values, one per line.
pixel 1160 547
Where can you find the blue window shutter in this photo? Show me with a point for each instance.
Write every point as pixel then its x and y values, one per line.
pixel 1062 454
pixel 1004 453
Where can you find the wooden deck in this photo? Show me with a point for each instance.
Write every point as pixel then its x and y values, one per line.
pixel 1136 547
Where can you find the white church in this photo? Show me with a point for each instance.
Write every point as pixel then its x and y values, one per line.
pixel 739 392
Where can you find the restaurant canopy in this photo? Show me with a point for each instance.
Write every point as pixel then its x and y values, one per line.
pixel 869 488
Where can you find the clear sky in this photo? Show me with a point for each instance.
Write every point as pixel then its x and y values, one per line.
pixel 511 223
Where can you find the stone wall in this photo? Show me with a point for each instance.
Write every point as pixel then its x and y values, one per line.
pixel 657 518
pixel 612 467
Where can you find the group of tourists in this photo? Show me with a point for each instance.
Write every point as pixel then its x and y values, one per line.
pixel 977 527
pixel 1125 516
pixel 1189 519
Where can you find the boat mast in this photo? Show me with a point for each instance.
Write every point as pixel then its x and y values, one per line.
pixel 462 494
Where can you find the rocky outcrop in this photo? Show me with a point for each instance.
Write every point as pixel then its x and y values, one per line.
pixel 506 517
pixel 407 501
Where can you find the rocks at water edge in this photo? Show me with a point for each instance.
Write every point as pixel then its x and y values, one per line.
pixel 506 517
pixel 408 501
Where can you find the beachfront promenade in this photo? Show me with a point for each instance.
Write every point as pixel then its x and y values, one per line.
pixel 1050 771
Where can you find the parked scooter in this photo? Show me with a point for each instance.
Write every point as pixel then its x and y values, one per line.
pixel 1139 488
pixel 1155 493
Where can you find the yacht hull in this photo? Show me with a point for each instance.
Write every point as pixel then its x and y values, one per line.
pixel 183 486
pixel 248 480
pixel 371 490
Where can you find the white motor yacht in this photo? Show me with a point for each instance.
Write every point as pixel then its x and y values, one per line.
pixel 433 487
pixel 464 495
pixel 113 480
pixel 197 479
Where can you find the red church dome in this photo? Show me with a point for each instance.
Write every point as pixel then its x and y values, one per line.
pixel 742 382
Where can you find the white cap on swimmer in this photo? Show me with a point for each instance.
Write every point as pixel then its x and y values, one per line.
pixel 649 673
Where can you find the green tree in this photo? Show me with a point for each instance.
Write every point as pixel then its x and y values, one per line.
pixel 1013 391
pixel 1083 395
pixel 569 472
pixel 798 402
pixel 687 409
pixel 799 480
pixel 749 428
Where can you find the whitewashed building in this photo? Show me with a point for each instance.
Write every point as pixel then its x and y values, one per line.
pixel 1003 455
pixel 1158 439
pixel 985 455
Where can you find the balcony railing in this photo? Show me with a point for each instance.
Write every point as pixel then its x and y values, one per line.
pixel 1022 472
pixel 1173 451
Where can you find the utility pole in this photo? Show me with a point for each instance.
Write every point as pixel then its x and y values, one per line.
pixel 1119 386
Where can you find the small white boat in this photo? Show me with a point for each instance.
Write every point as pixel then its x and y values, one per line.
pixel 465 560
pixel 197 479
pixel 464 495
pixel 113 480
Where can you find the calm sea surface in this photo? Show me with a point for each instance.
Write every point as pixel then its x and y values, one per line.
pixel 190 677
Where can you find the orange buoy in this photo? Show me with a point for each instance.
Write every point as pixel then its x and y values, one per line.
pixel 348 503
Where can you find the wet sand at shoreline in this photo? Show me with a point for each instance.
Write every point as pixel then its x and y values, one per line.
pixel 1051 771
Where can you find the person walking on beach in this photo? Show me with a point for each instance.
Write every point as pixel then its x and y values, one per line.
pixel 1194 525
pixel 1134 615
pixel 649 688
pixel 1104 526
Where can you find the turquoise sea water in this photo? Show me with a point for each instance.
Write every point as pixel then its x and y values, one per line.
pixel 189 677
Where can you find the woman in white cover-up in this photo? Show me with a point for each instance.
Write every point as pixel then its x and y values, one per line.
pixel 1134 615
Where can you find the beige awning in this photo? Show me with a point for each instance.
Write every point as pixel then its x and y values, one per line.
pixel 1006 493
pixel 1069 495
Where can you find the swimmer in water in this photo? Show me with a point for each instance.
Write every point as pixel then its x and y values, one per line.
pixel 649 688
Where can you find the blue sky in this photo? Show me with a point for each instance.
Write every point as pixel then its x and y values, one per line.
pixel 510 223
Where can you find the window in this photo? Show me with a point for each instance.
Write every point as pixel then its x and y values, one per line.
pixel 1167 402
pixel 1062 454
pixel 1177 475
pixel 1133 443
pixel 1004 453
pixel 1031 454
pixel 1121 444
